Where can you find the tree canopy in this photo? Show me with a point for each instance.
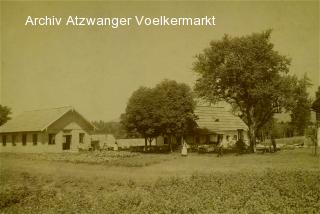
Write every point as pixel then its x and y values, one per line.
pixel 318 93
pixel 249 74
pixel 300 111
pixel 140 115
pixel 175 108
pixel 316 104
pixel 4 114
pixel 167 110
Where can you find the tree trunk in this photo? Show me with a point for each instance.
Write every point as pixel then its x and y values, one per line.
pixel 150 141
pixel 317 142
pixel 145 144
pixel 252 137
pixel 170 143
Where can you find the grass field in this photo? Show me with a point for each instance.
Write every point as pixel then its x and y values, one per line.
pixel 283 182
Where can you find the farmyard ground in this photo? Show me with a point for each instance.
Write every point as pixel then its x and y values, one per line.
pixel 284 182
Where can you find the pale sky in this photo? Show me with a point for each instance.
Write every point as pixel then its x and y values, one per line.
pixel 96 69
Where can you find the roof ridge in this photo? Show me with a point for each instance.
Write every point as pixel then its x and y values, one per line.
pixel 38 120
pixel 49 108
pixel 57 117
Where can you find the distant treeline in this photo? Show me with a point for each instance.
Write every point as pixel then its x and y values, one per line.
pixel 114 128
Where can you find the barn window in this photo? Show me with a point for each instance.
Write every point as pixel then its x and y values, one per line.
pixel 4 140
pixel 24 139
pixel 35 139
pixel 52 139
pixel 81 137
pixel 13 140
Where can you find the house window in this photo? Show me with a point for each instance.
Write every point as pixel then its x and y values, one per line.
pixel 235 137
pixel 220 138
pixel 197 139
pixel 240 134
pixel 207 139
pixel 165 140
pixel 52 140
pixel 4 140
pixel 35 139
pixel 13 140
pixel 81 137
pixel 24 139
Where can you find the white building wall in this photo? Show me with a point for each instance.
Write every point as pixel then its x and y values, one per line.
pixel 19 147
pixel 43 139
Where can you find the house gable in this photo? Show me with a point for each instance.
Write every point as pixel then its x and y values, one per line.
pixel 70 121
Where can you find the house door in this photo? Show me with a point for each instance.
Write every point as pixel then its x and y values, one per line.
pixel 220 138
pixel 67 142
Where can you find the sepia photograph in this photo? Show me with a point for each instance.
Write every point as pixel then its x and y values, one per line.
pixel 159 107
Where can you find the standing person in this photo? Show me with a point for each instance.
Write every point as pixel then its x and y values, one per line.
pixel 219 146
pixel 233 141
pixel 184 151
pixel 222 145
pixel 115 148
pixel 228 142
pixel 274 144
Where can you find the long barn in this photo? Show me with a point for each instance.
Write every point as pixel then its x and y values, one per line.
pixel 46 130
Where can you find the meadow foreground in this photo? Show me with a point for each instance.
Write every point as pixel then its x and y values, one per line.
pixel 283 182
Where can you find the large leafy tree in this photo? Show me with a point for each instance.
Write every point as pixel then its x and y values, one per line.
pixel 300 112
pixel 313 130
pixel 4 114
pixel 166 110
pixel 140 116
pixel 249 74
pixel 316 104
pixel 318 93
pixel 175 109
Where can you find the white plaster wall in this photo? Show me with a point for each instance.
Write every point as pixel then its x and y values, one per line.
pixel 43 138
pixel 29 147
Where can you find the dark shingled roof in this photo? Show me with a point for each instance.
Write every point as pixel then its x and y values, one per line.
pixel 216 119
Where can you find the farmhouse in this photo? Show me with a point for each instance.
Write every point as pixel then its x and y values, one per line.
pixel 47 130
pixel 214 124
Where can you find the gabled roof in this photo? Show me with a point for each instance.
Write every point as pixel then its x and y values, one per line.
pixel 36 120
pixel 216 119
